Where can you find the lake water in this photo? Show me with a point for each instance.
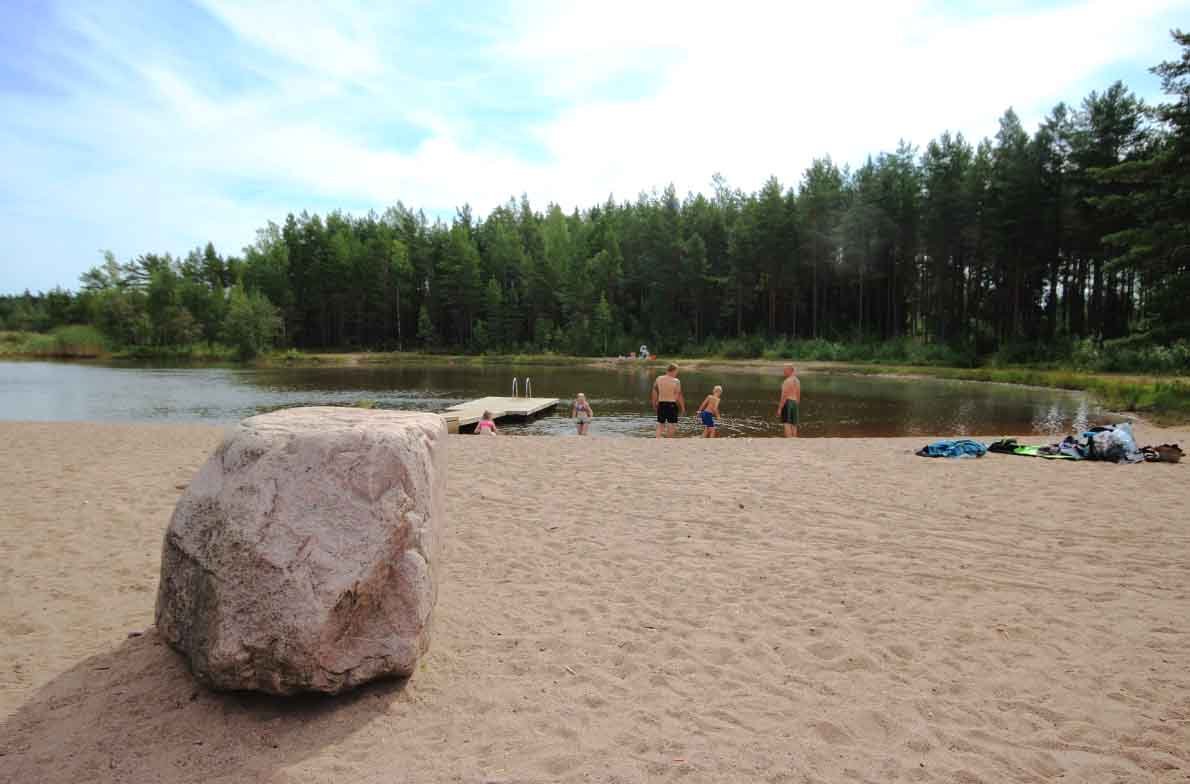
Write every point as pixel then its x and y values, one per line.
pixel 833 405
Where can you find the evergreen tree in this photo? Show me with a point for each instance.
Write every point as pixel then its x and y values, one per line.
pixel 601 323
pixel 425 327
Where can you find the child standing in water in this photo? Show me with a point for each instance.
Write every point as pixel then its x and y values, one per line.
pixel 708 412
pixel 486 426
pixel 582 414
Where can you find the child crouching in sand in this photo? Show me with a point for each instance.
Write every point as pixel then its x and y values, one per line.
pixel 708 412
pixel 486 426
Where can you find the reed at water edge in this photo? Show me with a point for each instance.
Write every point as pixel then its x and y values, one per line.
pixel 75 341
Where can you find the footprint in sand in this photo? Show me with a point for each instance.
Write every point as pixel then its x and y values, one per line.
pixel 919 743
pixel 826 650
pixel 559 765
pixel 859 662
pixel 832 733
pixel 874 726
pixel 20 629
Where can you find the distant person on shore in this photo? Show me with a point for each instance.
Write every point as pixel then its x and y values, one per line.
pixel 791 401
pixel 582 414
pixel 644 351
pixel 668 401
pixel 708 412
pixel 486 426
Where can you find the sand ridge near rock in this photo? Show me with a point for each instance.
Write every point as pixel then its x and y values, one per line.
pixel 626 610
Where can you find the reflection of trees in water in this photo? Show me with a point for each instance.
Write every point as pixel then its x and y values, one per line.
pixel 1059 420
pixel 964 417
pixel 1049 420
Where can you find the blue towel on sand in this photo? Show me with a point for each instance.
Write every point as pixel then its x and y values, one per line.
pixel 961 447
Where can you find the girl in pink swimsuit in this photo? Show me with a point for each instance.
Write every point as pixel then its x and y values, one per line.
pixel 486 426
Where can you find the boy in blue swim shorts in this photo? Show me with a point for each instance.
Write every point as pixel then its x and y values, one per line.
pixel 709 411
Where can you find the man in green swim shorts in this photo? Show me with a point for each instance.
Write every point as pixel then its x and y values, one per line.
pixel 791 399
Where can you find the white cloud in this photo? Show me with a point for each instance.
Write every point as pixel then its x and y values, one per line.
pixel 765 88
pixel 341 40
pixel 144 152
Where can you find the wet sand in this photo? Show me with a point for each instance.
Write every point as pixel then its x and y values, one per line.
pixel 621 610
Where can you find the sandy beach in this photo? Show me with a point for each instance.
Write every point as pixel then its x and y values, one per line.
pixel 624 610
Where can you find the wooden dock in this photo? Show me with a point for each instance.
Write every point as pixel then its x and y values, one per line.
pixel 467 414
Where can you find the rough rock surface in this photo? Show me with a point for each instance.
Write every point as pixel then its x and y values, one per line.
pixel 302 556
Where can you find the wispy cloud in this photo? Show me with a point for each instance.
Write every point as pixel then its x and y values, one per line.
pixel 148 127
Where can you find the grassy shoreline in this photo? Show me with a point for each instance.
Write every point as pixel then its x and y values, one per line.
pixel 1165 399
pixel 69 342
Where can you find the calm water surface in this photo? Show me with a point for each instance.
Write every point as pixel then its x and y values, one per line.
pixel 833 405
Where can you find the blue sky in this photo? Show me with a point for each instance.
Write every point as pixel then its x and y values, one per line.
pixel 140 127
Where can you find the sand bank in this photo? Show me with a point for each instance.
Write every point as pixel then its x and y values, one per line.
pixel 625 610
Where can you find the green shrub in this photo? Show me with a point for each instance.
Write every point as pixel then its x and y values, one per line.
pixel 1085 354
pixel 736 348
pixel 38 345
pixel 252 323
pixel 1128 357
pixel 1136 354
pixel 192 352
pixel 13 342
pixel 79 340
pixel 1170 398
pixel 1031 353
pixel 822 350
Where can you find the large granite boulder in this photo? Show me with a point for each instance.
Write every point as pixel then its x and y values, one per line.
pixel 303 555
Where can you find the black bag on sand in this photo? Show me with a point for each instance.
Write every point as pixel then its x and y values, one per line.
pixel 1006 445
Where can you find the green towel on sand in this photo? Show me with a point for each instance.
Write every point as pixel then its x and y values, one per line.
pixel 1035 451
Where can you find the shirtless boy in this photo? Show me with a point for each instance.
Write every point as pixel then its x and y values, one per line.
pixel 668 401
pixel 791 400
pixel 708 412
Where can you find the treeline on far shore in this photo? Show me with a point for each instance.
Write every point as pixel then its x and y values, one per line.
pixel 1068 246
pixel 82 341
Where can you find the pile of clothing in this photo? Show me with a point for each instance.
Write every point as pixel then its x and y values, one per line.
pixel 1111 443
pixel 1068 449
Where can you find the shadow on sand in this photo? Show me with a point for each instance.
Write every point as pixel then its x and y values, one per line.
pixel 135 714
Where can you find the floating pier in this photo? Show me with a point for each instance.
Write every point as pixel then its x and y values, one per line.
pixel 467 414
